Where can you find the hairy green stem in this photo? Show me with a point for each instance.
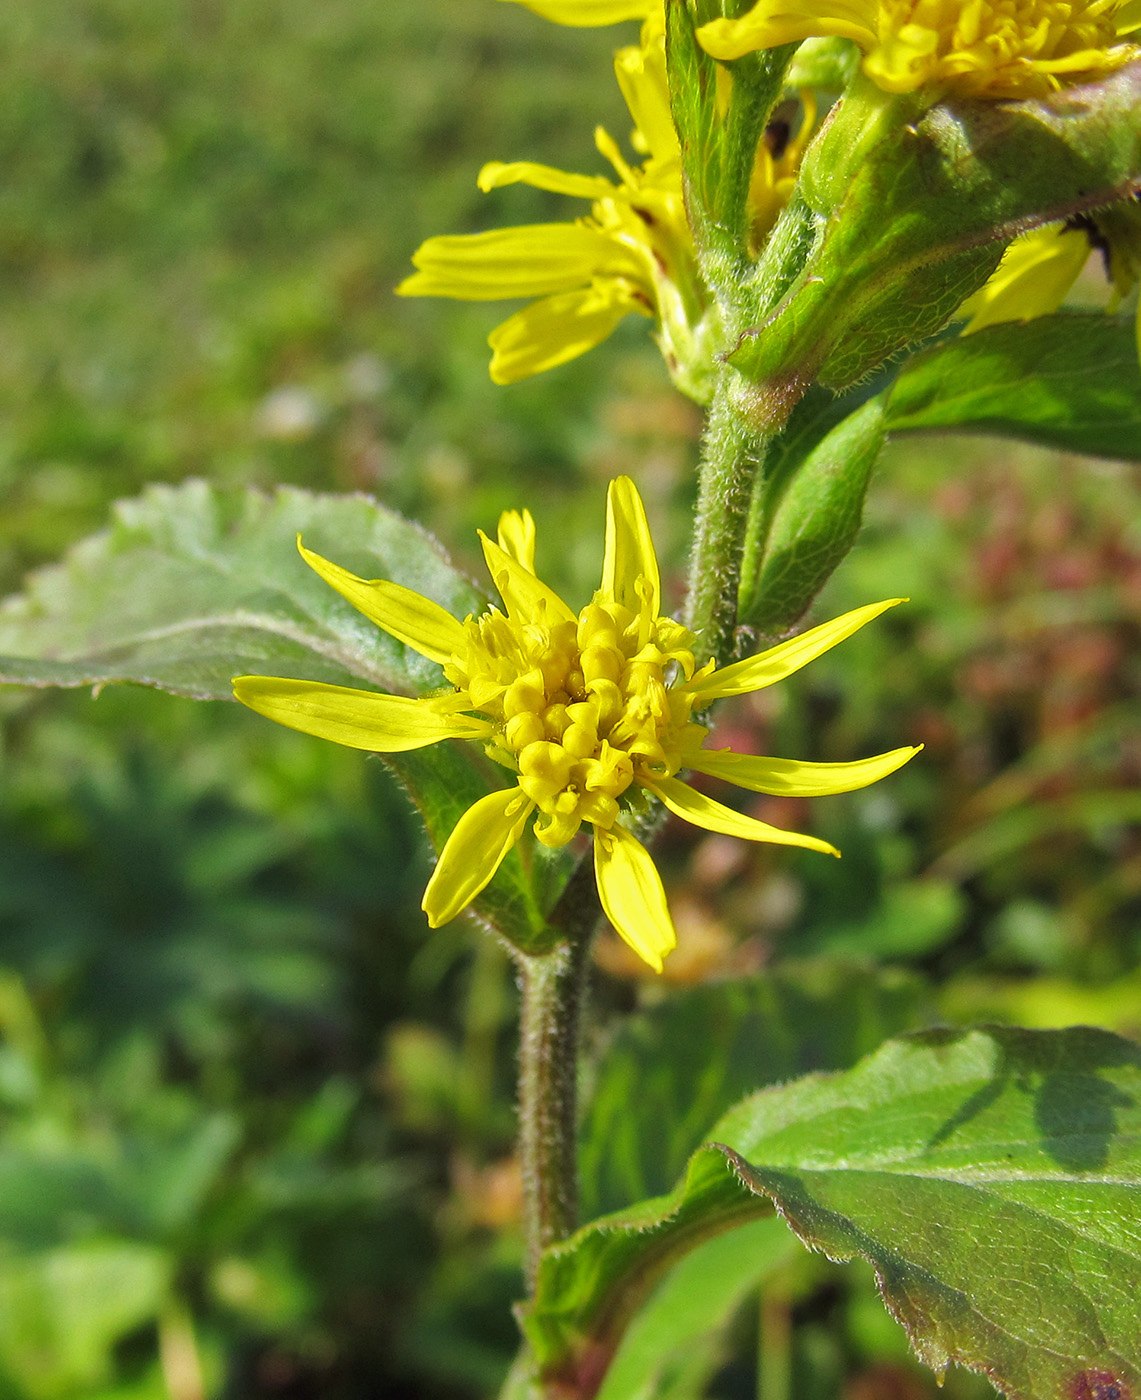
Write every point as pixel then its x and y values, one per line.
pixel 732 456
pixel 553 985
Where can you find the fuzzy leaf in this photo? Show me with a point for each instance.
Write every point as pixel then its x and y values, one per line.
pixel 1069 381
pixel 192 584
pixel 992 1177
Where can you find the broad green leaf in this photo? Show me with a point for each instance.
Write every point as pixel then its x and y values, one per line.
pixel 884 241
pixel 1069 381
pixel 192 584
pixel 992 1177
pixel 810 520
pixel 444 781
pixel 672 1070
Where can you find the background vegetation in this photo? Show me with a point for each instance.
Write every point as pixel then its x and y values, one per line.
pixel 255 1122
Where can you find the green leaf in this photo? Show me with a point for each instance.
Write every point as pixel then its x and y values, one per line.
pixel 676 1342
pixel 192 584
pixel 992 1177
pixel 1069 381
pixel 899 217
pixel 810 519
pixel 671 1071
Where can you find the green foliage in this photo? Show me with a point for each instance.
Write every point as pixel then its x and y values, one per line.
pixel 809 514
pixel 971 1168
pixel 1069 381
pixel 192 586
pixel 903 220
pixel 670 1072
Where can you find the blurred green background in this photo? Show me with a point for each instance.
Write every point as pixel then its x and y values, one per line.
pixel 255 1119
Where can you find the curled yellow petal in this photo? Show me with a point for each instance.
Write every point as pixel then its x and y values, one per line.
pixel 524 596
pixel 629 551
pixel 1033 278
pixel 408 616
pixel 516 536
pixel 474 852
pixel 559 328
pixel 695 807
pixel 773 22
pixel 789 777
pixel 543 177
pixel 632 896
pixel 359 719
pixel 584 14
pixel 756 672
pixel 531 260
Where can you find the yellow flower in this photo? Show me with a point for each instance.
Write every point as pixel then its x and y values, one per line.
pixel 633 253
pixel 982 48
pixel 590 713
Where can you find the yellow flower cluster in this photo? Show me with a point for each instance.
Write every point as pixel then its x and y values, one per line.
pixel 982 48
pixel 591 712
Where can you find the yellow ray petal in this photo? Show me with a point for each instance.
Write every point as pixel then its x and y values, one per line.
pixel 524 596
pixel 408 616
pixel 585 13
pixel 789 777
pixel 629 553
pixel 360 719
pixel 543 177
pixel 1033 278
pixel 641 74
pixel 773 22
pixel 632 896
pixel 516 536
pixel 693 806
pixel 756 672
pixel 531 260
pixel 559 328
pixel 474 851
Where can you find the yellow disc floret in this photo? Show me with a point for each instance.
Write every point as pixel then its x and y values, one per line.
pixel 983 48
pixel 583 709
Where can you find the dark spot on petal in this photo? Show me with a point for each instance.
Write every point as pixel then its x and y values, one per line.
pixel 644 214
pixel 1099 1385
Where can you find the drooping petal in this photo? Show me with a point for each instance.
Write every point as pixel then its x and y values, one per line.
pixel 524 596
pixel 789 777
pixel 474 851
pixel 408 616
pixel 560 328
pixel 516 536
pixel 756 672
pixel 359 719
pixel 586 13
pixel 531 260
pixel 1033 278
pixel 497 173
pixel 695 807
pixel 632 896
pixel 629 553
pixel 773 22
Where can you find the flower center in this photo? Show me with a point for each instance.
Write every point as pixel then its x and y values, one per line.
pixel 1001 47
pixel 585 706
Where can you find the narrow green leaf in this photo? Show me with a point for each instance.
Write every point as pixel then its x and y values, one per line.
pixel 192 584
pixel 812 518
pixel 992 1177
pixel 1069 381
